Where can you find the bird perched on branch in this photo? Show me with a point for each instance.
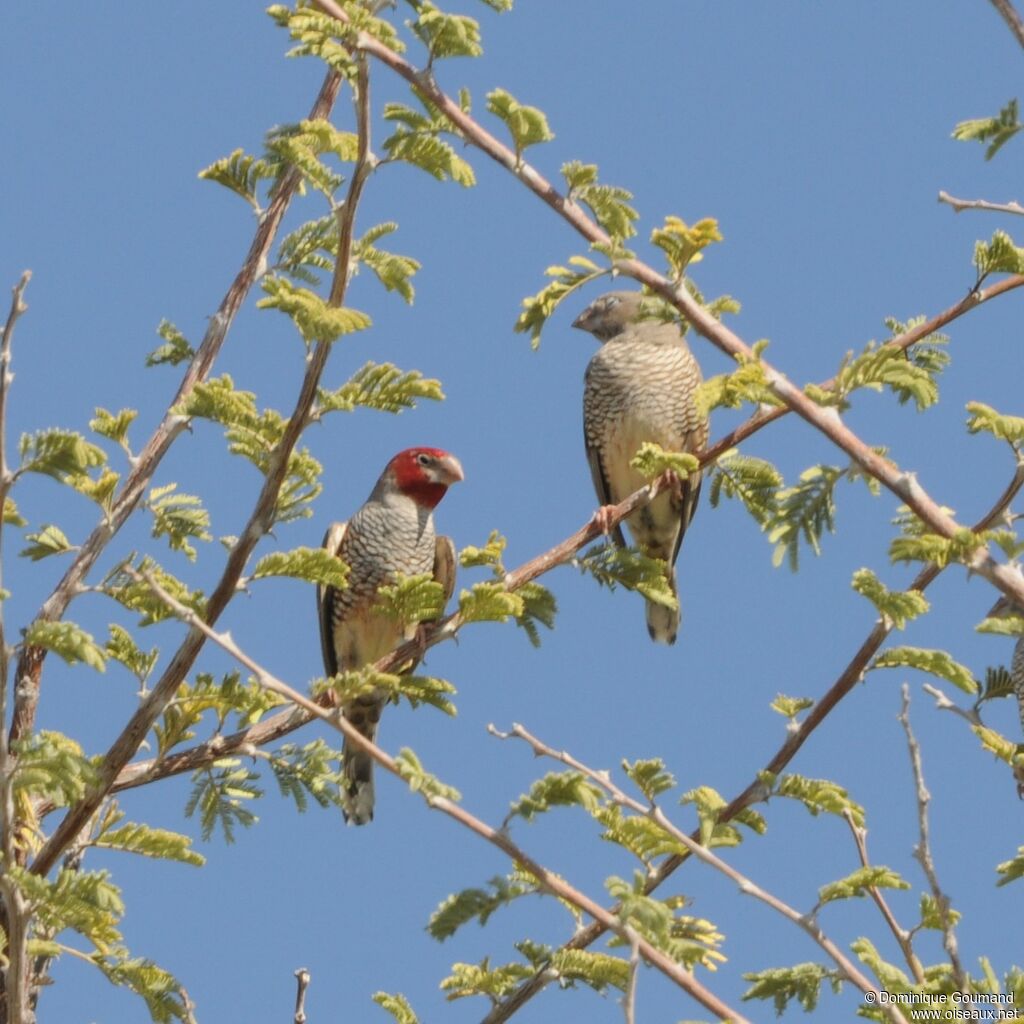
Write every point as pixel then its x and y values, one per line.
pixel 1005 607
pixel 641 386
pixel 391 535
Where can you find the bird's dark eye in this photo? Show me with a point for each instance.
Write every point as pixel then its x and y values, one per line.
pixel 423 460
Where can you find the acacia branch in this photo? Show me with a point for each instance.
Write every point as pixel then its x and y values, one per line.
pixel 30 663
pixel 1011 17
pixel 959 205
pixel 260 520
pixel 828 421
pixel 901 935
pixel 301 984
pixel 923 851
pixel 550 882
pixel 654 813
pixel 755 791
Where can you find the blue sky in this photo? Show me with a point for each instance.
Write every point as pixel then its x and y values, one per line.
pixel 819 136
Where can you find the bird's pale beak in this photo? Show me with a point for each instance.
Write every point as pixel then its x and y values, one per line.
pixel 450 470
pixel 581 321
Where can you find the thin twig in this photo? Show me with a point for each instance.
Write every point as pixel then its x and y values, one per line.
pixel 755 791
pixel 302 983
pixel 959 205
pixel 260 520
pixel 30 663
pixel 901 935
pixel 553 883
pixel 923 852
pixel 654 813
pixel 629 996
pixel 1011 17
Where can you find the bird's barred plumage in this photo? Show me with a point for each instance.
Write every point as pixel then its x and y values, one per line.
pixel 641 386
pixel 392 534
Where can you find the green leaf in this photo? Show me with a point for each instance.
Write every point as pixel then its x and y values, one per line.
pixel 137 596
pixel 50 540
pixel 820 795
pixel 69 641
pixel 857 883
pixel 1000 256
pixel 179 517
pixel 421 781
pixel 755 482
pixel 58 453
pixel 149 842
pixel 527 125
pixel 790 707
pixel 483 980
pixel 652 460
pixel 161 991
pixel 557 789
pixel 314 565
pixel 446 35
pixel 489 555
pixel 878 367
pixel 934 662
pixel 650 776
pixel 609 204
pixel 1011 870
pixel 612 566
pixel 175 348
pixel 932 916
pixel 51 767
pixel 539 605
pixel 597 970
pixel 10 514
pixel 393 271
pixel 748 383
pixel 308 771
pixel 242 174
pixel 314 318
pixel 411 599
pixel 537 309
pixel 87 902
pixel 219 795
pixel 931 547
pixel 380 386
pixel 397 1005
pixel 417 141
pixel 683 244
pixel 996 131
pixel 219 401
pixel 985 418
pixel 782 985
pixel 898 607
pixel 477 904
pixel 806 510
pixel 122 648
pixel 489 602
pixel 112 426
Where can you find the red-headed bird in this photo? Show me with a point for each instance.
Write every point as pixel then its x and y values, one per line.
pixel 641 386
pixel 392 534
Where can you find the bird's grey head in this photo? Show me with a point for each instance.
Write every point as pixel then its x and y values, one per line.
pixel 611 314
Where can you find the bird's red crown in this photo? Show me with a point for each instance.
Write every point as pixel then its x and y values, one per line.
pixel 424 474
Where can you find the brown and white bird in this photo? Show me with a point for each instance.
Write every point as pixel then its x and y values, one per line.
pixel 392 534
pixel 641 386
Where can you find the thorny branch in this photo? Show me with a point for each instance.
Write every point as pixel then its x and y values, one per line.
pixel 1011 17
pixel 497 837
pixel 654 813
pixel 904 485
pixel 301 984
pixel 923 851
pixel 30 663
pixel 959 205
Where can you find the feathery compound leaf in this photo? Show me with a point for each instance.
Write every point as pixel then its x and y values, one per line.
pixel 489 602
pixel 931 914
pixel 52 767
pixel 754 481
pixel 892 978
pixel 122 648
pixel 419 690
pixel 137 596
pixel 393 271
pixel 319 35
pixel 652 460
pixel 477 905
pixel 481 980
pixel 985 418
pixel 748 383
pixel 242 174
pixel 609 204
pixel 1011 870
pixel 84 901
pixel 115 427
pixel 69 641
pixel 175 348
pixel 314 565
pixel 412 599
pixel 489 555
pixel 417 140
pixel 217 400
pixel 996 131
pixel 1000 256
pixel 397 1005
pixel 806 510
pixel 311 247
pixel 527 125
pixel 308 771
pixel 876 367
pixel 315 319
pixel 790 707
pixel 643 838
pixel 650 776
pixel 819 795
pixel 936 663
pixel 446 35
pixel 291 145
pixel 709 804
pixel 219 794
pixel 930 547
pixel 161 991
pixel 50 540
pixel 11 516
pixel 998 684
pixel 998 745
pixel 179 517
pixel 556 789
pixel 538 308
pixel 897 606
pixel 58 453
pixel 782 985
pixel 380 386
pixel 539 605
pixel 857 883
pixel 598 970
pixel 612 566
pixel 683 245
pixel 150 842
pixel 419 780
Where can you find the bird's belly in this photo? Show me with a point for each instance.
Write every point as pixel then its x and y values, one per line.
pixel 365 636
pixel 624 440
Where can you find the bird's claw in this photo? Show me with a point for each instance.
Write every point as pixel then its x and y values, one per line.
pixel 604 519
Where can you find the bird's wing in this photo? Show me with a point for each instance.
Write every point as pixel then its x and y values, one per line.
pixel 601 488
pixel 445 565
pixel 325 601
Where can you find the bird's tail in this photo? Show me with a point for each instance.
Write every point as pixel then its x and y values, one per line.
pixel 662 621
pixel 357 766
